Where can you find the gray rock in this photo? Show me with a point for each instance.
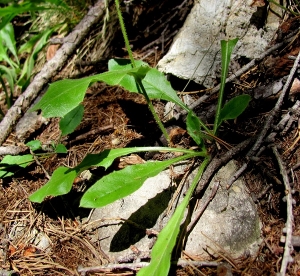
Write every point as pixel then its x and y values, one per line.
pixel 229 223
pixel 231 219
pixel 207 24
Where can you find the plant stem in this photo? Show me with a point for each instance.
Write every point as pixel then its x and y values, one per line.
pixel 138 80
pixel 151 107
pixel 125 36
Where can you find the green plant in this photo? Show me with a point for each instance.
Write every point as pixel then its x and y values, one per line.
pixel 10 164
pixel 63 100
pixel 14 8
pixel 12 71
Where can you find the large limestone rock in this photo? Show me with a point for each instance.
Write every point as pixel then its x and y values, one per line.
pixel 230 221
pixel 195 52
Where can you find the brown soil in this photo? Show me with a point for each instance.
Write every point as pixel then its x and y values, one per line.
pixel 113 119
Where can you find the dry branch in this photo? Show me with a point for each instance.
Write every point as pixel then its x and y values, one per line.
pixel 288 248
pixel 136 266
pixel 51 68
pixel 219 161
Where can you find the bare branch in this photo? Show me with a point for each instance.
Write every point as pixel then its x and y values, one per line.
pixel 288 248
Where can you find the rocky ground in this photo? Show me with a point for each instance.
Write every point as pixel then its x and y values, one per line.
pixel 56 237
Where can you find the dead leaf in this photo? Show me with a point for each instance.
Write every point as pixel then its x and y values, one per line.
pixel 130 160
pixel 11 249
pixel 258 3
pixel 29 251
pixel 52 51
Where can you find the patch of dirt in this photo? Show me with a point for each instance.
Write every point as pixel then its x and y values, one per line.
pixel 115 118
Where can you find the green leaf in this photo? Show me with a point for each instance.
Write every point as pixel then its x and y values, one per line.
pixel 234 107
pixel 60 183
pixel 193 127
pixel 4 55
pixel 60 148
pixel 166 240
pixel 10 164
pixel 10 75
pixel 119 184
pixel 28 46
pixel 9 12
pixel 8 36
pixel 34 145
pixel 155 83
pixel 37 48
pixel 71 120
pixel 62 96
pixel 65 95
pixel 226 50
pixel 106 158
pixel 158 87
pixel 128 82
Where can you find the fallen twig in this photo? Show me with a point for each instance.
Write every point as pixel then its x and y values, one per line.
pixel 203 207
pixel 50 69
pixel 236 176
pixel 288 248
pixel 12 150
pixel 136 266
pixel 219 161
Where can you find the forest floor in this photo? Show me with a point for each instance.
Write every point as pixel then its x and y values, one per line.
pixel 115 118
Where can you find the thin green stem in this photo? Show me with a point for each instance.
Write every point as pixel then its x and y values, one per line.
pixel 151 107
pixel 125 36
pixel 219 104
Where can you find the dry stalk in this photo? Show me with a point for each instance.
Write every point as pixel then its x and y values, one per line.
pixel 288 248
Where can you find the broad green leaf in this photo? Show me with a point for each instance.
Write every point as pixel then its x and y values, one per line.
pixel 119 184
pixel 128 81
pixel 63 96
pixel 226 50
pixel 234 107
pixel 155 83
pixel 10 164
pixel 158 87
pixel 162 251
pixel 66 176
pixel 34 145
pixel 8 36
pixel 106 158
pixel 193 127
pixel 71 120
pixel 60 183
pixel 60 148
